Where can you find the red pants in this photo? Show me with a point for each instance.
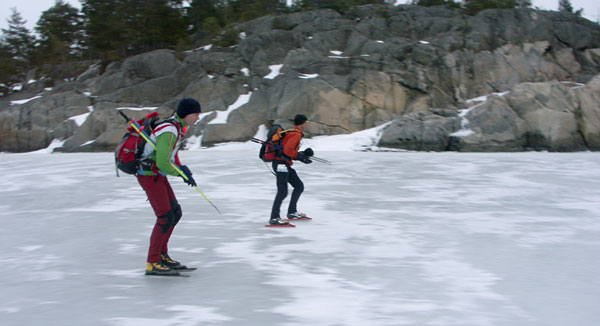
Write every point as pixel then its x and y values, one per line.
pixel 162 198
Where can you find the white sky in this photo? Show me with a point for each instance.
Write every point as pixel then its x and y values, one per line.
pixel 32 9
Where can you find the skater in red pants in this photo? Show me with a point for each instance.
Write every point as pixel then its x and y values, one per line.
pixel 152 176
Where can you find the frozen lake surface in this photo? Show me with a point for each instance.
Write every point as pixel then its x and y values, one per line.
pixel 397 239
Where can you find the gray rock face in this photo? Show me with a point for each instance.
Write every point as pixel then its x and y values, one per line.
pixel 135 70
pixel 550 112
pixel 493 126
pixel 420 131
pixel 532 116
pixel 589 121
pixel 413 65
pixel 33 125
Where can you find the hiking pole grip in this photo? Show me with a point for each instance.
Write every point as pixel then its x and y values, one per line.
pixel 124 116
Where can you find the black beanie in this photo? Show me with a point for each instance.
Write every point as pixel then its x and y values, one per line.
pixel 299 119
pixel 187 106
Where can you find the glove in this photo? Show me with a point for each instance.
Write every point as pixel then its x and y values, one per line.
pixel 190 181
pixel 302 157
pixel 309 152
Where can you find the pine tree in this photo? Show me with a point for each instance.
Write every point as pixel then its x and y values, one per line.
pixel 101 24
pixel 245 10
pixel 151 24
pixel 201 10
pixel 475 6
pixel 429 3
pixel 565 5
pixel 120 28
pixel 18 40
pixel 9 72
pixel 61 31
pixel 333 4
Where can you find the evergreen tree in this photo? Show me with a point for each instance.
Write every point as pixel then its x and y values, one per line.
pixel 9 72
pixel 475 6
pixel 524 4
pixel 429 3
pixel 244 10
pixel 120 28
pixel 201 10
pixel 566 6
pixel 18 40
pixel 102 28
pixel 61 31
pixel 339 5
pixel 151 24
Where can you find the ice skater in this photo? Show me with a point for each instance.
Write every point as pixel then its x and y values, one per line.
pixel 282 167
pixel 168 137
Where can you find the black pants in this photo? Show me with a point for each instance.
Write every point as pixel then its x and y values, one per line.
pixel 285 174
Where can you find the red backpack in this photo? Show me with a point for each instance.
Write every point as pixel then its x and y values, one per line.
pixel 129 151
pixel 272 148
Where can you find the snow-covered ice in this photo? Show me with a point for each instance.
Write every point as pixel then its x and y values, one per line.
pixel 397 239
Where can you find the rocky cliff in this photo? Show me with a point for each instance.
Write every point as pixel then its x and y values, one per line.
pixel 503 80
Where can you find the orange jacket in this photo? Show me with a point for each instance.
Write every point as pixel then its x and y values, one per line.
pixel 291 144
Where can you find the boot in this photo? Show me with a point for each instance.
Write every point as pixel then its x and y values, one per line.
pixel 297 216
pixel 278 221
pixel 159 269
pixel 167 261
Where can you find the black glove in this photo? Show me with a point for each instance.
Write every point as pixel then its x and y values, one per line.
pixel 302 157
pixel 190 180
pixel 309 152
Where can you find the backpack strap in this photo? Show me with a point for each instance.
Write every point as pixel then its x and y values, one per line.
pixel 282 133
pixel 170 122
pixel 288 130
